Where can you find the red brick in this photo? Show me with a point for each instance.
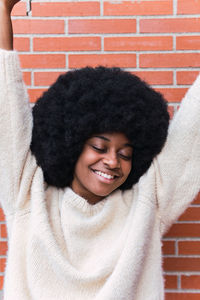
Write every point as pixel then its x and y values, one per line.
pixel 110 60
pixel 45 78
pixel 188 7
pixel 170 60
pixel 171 111
pixel 170 25
pixel 140 43
pixel 171 282
pixel 67 44
pixel 43 61
pixel 3 231
pixel 2 216
pixel 136 8
pixel 19 9
pixel 190 282
pixel 168 247
pixel 1 282
pixel 181 264
pixel 188 42
pixel 27 78
pixel 191 214
pixel 173 94
pixel 3 248
pixel 21 44
pixel 34 94
pixel 156 77
pixel 197 199
pixel 38 26
pixel 184 230
pixel 2 264
pixel 102 26
pixel 182 296
pixel 63 9
pixel 189 247
pixel 186 77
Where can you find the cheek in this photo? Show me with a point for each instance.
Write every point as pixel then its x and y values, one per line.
pixel 84 162
pixel 127 168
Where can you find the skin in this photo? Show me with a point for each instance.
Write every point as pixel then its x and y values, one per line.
pixel 110 153
pixel 6 32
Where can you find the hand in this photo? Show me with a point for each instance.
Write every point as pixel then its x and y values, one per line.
pixel 8 4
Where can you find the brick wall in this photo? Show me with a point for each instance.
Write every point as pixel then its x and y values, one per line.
pixel 159 41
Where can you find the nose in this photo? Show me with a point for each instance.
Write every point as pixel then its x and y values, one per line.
pixel 111 160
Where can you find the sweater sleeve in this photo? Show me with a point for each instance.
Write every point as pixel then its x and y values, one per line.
pixel 177 167
pixel 15 128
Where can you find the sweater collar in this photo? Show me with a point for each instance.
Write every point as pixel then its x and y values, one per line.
pixel 81 204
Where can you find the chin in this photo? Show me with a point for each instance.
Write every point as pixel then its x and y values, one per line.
pixel 103 193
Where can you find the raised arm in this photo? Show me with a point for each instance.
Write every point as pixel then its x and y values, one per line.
pixel 177 167
pixel 6 32
pixel 15 115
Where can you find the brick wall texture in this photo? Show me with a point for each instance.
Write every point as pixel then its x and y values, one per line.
pixel 159 41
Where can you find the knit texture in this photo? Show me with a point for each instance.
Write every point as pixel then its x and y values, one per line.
pixel 60 246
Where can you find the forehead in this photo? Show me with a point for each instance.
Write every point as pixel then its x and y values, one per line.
pixel 114 137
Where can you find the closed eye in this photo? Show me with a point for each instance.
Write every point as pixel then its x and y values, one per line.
pixel 101 150
pixel 125 157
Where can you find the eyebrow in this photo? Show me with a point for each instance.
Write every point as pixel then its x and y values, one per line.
pixel 106 139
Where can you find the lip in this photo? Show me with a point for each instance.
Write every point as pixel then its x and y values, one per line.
pixel 103 179
pixel 106 172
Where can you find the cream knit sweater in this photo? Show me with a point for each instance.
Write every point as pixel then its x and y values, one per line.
pixel 61 247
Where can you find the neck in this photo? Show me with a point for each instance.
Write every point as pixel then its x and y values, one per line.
pixel 89 197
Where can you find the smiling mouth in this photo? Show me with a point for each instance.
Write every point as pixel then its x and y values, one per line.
pixel 105 175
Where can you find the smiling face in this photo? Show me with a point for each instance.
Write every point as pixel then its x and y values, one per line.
pixel 103 166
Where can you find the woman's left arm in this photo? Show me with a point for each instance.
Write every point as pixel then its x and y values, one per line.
pixel 177 167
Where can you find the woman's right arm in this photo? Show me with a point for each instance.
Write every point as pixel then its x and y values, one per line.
pixel 15 115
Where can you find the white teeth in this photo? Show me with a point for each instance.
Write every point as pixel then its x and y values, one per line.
pixel 104 175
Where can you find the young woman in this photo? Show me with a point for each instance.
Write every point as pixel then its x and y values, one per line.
pixel 91 180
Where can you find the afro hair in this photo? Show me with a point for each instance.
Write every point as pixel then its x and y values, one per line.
pixel 88 101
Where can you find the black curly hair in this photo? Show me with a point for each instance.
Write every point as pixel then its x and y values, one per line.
pixel 88 101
